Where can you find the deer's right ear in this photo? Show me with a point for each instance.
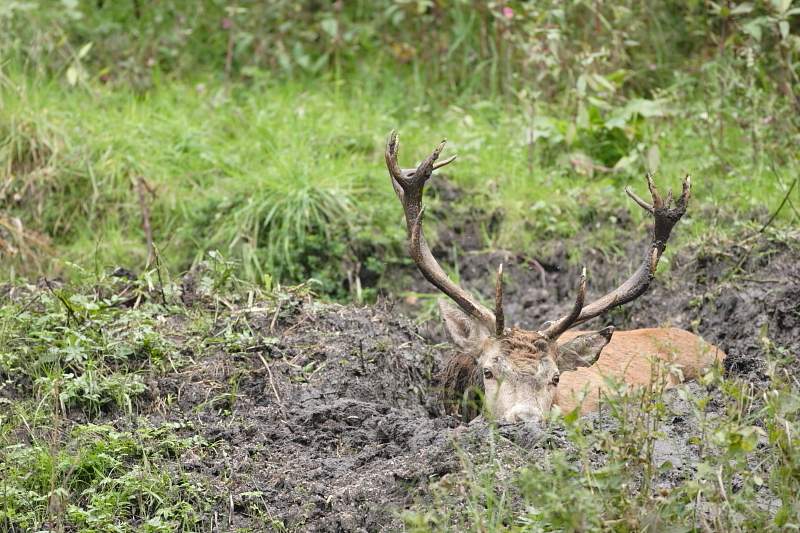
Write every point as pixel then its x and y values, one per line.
pixel 461 330
pixel 583 350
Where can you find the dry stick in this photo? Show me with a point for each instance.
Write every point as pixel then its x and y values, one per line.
pixel 160 280
pixel 142 187
pixel 537 265
pixel 275 317
pixel 230 509
pixel 271 381
pixel 30 303
pixel 229 55
pixel 783 202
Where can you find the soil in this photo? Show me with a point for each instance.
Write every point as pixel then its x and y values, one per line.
pixel 329 420
pixel 347 444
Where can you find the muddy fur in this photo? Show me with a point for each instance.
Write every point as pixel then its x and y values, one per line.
pixel 461 381
pixel 460 386
pixel 523 348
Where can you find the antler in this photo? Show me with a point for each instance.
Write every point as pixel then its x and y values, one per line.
pixel 665 219
pixel 408 185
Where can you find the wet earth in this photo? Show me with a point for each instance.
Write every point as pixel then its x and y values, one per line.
pixel 327 419
pixel 335 425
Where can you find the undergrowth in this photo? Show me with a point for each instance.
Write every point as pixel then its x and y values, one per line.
pixel 127 128
pixel 79 447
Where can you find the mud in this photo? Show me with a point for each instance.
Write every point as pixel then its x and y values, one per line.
pixel 344 429
pixel 326 418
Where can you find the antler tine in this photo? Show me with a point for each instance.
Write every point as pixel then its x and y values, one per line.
pixel 409 185
pixel 500 317
pixel 399 177
pixel 560 326
pixel 665 219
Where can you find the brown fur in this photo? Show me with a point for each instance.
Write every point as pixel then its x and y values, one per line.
pixel 460 382
pixel 520 345
pixel 461 378
pixel 638 358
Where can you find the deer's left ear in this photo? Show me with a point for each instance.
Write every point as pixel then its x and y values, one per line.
pixel 583 350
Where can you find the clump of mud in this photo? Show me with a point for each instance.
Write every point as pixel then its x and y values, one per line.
pixel 334 419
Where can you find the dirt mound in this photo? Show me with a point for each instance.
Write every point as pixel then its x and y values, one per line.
pixel 323 422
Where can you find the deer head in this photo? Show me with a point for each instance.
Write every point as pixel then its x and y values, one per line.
pixel 518 370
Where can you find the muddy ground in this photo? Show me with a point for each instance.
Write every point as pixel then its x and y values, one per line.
pixel 343 429
pixel 328 420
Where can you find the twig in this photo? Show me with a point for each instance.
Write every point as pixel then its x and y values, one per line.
pixel 579 163
pixel 275 317
pixel 27 305
pixel 751 280
pixel 538 266
pixel 148 234
pixel 160 280
pixel 271 381
pixel 783 202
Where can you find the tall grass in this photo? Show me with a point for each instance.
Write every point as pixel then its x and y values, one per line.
pixel 289 180
pixel 268 145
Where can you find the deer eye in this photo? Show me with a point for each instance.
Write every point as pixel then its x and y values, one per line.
pixel 487 374
pixel 556 379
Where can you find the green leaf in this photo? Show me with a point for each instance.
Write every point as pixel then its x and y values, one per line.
pixel 580 86
pixel 741 9
pixel 784 27
pixel 782 5
pixel 572 416
pixel 72 75
pixel 627 161
pixel 601 80
pixel 84 50
pixel 330 26
pixel 582 120
pixel 754 28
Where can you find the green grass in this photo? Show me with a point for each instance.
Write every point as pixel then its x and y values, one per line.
pixel 288 180
pixel 76 348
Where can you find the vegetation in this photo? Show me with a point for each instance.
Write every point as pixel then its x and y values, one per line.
pixel 258 131
pixel 250 135
pixel 79 348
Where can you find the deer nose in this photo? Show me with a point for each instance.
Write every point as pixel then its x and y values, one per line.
pixel 522 413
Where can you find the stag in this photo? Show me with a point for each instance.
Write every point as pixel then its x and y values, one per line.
pixel 522 374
